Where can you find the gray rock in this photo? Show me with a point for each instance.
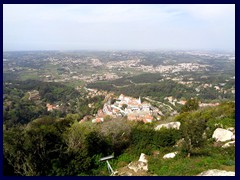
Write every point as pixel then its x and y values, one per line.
pixel 228 144
pixel 216 172
pixel 170 155
pixel 143 158
pixel 138 166
pixel 222 135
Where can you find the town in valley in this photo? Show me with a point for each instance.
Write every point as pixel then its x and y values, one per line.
pixel 82 69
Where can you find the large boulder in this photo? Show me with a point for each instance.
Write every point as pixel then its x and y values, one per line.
pixel 222 135
pixel 171 125
pixel 170 155
pixel 216 172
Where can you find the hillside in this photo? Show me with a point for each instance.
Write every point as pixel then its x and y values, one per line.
pixel 67 147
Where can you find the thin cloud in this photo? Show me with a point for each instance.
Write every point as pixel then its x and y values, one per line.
pixel 119 26
pixel 114 12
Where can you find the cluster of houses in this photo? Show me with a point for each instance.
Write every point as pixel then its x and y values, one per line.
pixel 94 92
pixel 173 101
pixel 129 107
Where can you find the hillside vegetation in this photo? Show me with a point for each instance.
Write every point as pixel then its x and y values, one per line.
pixel 63 146
pixel 155 86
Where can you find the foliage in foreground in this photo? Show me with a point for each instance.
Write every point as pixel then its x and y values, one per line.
pixel 63 146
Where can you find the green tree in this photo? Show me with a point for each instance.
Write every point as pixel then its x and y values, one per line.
pixel 191 104
pixel 16 154
pixel 31 150
pixel 117 133
pixel 192 132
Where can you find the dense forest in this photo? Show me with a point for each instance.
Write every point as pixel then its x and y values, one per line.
pixel 152 84
pixel 18 109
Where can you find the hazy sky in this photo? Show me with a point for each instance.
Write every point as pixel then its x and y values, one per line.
pixel 111 27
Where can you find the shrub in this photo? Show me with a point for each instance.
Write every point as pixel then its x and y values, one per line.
pixel 145 139
pixel 192 131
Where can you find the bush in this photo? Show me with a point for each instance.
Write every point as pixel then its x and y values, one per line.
pixel 192 132
pixel 145 139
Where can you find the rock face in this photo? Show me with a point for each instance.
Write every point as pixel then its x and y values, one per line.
pixel 171 125
pixel 216 172
pixel 222 135
pixel 141 164
pixel 170 155
pixel 143 158
pixel 136 168
pixel 228 144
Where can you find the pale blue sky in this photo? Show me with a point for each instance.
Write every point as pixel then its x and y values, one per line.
pixel 112 27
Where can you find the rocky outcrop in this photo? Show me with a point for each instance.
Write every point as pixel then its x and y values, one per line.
pixel 143 158
pixel 171 125
pixel 222 135
pixel 136 168
pixel 216 172
pixel 170 155
pixel 141 164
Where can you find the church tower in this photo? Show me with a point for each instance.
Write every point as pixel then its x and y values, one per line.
pixel 139 100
